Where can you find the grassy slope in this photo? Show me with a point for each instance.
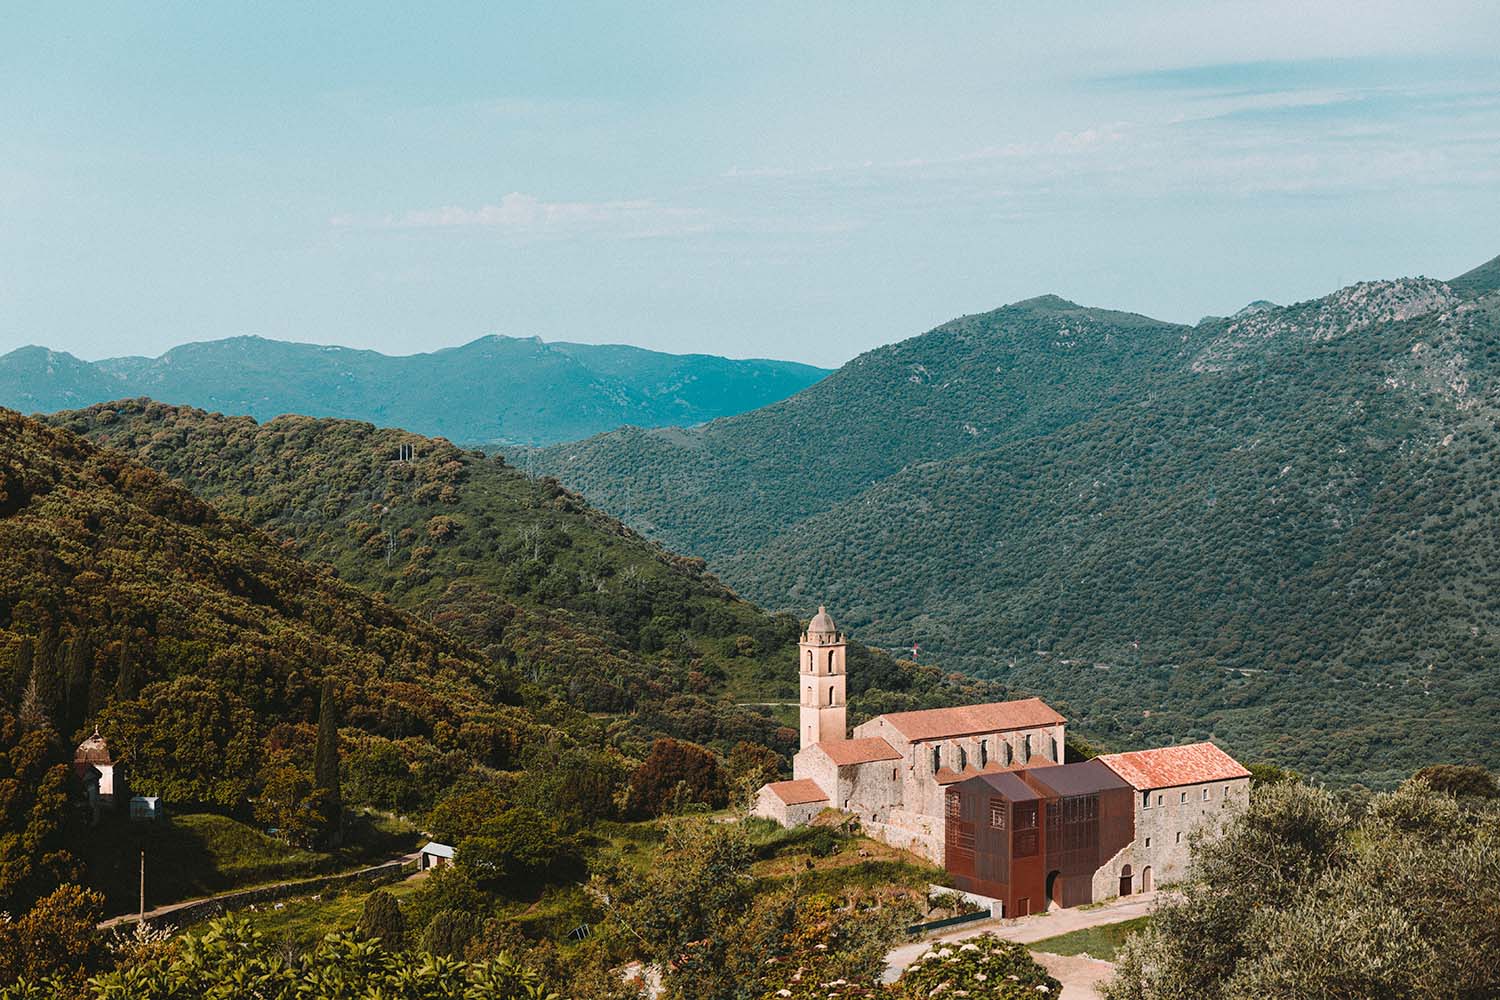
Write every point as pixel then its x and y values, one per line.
pixel 1096 942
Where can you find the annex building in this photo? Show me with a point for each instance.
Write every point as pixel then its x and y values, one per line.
pixel 983 790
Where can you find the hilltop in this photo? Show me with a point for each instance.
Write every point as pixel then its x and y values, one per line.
pixel 493 390
pixel 1269 529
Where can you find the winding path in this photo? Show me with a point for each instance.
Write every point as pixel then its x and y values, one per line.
pixel 1026 930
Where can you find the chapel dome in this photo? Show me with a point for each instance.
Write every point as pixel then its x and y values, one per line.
pixel 93 750
pixel 822 623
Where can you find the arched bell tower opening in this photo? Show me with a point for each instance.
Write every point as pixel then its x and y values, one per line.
pixel 823 681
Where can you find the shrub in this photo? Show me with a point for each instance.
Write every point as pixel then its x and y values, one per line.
pixel 382 920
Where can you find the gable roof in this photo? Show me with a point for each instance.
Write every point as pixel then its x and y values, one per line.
pixel 966 720
pixel 860 751
pixel 437 850
pixel 1166 767
pixel 798 792
pixel 1087 777
pixel 1008 784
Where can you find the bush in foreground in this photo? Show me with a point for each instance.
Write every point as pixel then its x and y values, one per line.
pixel 229 959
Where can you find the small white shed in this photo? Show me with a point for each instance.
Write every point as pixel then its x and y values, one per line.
pixel 434 855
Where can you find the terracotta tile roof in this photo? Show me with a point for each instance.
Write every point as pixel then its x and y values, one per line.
pixel 1169 766
pixel 799 792
pixel 947 776
pixel 860 751
pixel 965 720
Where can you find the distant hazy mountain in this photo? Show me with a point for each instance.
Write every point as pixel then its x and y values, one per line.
pixel 1276 529
pixel 496 389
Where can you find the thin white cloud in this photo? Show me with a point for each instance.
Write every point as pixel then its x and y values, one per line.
pixel 1063 143
pixel 525 214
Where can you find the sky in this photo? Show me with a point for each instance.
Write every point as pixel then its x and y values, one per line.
pixel 802 181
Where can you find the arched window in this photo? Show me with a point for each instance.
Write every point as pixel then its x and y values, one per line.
pixel 1010 754
pixel 937 759
pixel 1055 757
pixel 1026 749
pixel 984 753
pixel 809 660
pixel 830 661
pixel 963 759
pixel 830 694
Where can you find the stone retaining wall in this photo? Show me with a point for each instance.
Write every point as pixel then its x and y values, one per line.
pixel 206 909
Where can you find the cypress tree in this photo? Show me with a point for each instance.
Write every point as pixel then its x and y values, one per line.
pixel 382 919
pixel 34 713
pixel 326 762
pixel 47 668
pixel 76 683
pixel 125 679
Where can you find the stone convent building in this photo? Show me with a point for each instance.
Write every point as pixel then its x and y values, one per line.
pixel 983 790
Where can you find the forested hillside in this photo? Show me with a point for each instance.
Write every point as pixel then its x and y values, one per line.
pixel 978 381
pixel 543 658
pixel 1274 529
pixel 517 567
pixel 495 389
pixel 199 646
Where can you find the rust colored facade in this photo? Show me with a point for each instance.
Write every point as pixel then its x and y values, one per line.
pixel 1036 837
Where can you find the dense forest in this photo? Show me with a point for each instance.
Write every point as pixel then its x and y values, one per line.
pixel 518 568
pixel 494 389
pixel 1272 529
pixel 414 632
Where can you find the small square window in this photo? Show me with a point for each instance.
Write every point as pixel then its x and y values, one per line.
pixel 1184 797
pixel 1179 836
pixel 1148 841
pixel 1158 800
pixel 1205 794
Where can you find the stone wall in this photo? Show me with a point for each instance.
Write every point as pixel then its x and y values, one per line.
pixel 870 790
pixel 1163 831
pixel 815 765
pixel 922 835
pixel 206 909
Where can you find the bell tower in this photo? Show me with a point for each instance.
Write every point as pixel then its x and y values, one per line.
pixel 821 653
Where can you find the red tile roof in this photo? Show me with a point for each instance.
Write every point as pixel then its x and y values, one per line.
pixel 966 720
pixel 799 792
pixel 1166 767
pixel 860 751
pixel 947 776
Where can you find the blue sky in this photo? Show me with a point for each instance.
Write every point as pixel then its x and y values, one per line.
pixel 779 180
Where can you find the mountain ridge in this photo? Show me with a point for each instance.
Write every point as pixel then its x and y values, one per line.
pixel 491 390
pixel 1187 543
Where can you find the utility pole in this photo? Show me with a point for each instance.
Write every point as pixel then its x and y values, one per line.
pixel 142 922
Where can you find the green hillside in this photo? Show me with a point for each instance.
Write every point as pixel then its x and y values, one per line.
pixel 472 629
pixel 198 645
pixel 976 382
pixel 515 567
pixel 495 389
pixel 1290 511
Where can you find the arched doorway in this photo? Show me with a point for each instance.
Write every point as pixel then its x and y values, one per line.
pixel 1054 890
pixel 1125 880
pixel 1146 879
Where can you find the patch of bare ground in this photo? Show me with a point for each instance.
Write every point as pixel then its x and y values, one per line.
pixel 1080 975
